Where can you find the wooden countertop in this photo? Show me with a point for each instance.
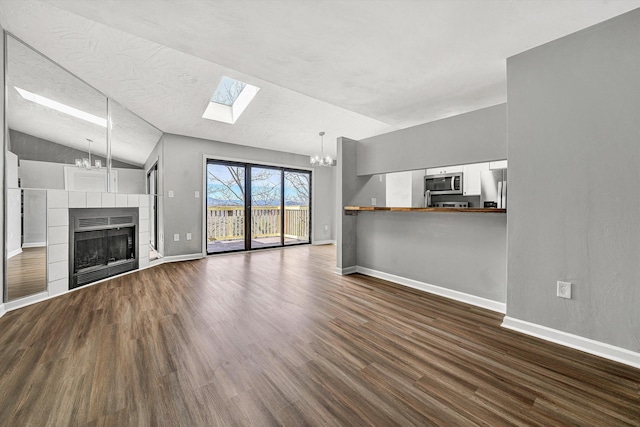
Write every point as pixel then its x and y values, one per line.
pixel 447 210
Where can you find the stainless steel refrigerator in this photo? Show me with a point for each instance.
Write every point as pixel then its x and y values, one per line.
pixel 493 189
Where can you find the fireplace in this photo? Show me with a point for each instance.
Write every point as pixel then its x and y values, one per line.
pixel 102 243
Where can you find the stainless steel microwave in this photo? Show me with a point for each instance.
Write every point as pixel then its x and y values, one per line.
pixel 446 183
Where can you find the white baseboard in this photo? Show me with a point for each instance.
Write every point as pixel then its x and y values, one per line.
pixel 347 270
pixel 2 310
pixel 185 257
pixel 34 245
pixel 577 342
pixel 323 242
pixel 28 300
pixel 492 305
pixel 14 253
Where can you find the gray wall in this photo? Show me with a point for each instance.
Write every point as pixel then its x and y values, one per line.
pixel 474 137
pixel 324 187
pixel 459 251
pixel 29 147
pixel 183 174
pixel 574 171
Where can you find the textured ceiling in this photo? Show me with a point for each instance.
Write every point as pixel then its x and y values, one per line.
pixel 350 68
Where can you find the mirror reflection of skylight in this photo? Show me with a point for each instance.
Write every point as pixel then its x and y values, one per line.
pixel 228 91
pixel 229 100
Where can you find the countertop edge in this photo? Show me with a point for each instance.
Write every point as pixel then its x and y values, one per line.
pixel 399 209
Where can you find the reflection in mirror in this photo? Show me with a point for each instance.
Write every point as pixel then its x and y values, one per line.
pixel 26 242
pixel 132 141
pixel 57 124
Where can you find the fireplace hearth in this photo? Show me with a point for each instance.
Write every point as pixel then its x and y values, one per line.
pixel 102 243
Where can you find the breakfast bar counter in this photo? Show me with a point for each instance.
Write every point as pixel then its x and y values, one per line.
pixel 355 209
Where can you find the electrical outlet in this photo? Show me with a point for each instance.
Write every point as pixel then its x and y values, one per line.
pixel 326 227
pixel 176 237
pixel 373 201
pixel 188 236
pixel 564 290
pixel 170 193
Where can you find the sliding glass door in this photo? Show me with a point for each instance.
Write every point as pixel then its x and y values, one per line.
pixel 276 207
pixel 225 211
pixel 266 207
pixel 297 212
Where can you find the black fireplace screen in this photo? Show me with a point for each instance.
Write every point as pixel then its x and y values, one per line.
pixel 103 247
pixel 90 249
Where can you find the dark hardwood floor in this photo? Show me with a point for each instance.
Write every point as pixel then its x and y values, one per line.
pixel 276 338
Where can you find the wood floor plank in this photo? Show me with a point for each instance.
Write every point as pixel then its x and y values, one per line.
pixel 277 338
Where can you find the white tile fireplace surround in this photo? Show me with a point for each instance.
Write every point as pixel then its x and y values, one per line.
pixel 58 204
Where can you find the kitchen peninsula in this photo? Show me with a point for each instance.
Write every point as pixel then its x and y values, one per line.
pixel 459 253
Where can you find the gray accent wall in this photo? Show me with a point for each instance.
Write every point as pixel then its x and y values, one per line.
pixel 352 190
pixel 323 189
pixel 574 171
pixel 29 147
pixel 463 252
pixel 478 136
pixel 183 174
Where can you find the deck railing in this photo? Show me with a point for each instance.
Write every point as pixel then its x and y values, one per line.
pixel 227 222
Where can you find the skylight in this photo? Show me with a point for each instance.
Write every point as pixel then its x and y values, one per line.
pixel 229 100
pixel 55 105
pixel 228 91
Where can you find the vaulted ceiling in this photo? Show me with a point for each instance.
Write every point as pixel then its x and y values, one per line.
pixel 350 68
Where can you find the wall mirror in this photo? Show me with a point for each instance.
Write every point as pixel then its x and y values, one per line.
pixel 132 142
pixel 56 123
pixel 62 134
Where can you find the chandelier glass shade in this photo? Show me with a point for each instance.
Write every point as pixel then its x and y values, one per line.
pixel 321 159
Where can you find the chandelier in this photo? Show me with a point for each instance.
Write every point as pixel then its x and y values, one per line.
pixel 85 163
pixel 321 159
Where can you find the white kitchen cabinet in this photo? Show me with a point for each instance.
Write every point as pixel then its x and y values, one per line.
pixel 446 169
pixel 500 164
pixel 471 178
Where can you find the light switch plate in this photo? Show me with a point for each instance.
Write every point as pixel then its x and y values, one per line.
pixel 188 236
pixel 197 194
pixel 176 237
pixel 170 193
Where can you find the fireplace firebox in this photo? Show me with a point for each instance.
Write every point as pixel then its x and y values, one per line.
pixel 102 243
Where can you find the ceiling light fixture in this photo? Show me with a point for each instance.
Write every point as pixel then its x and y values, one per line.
pixel 54 105
pixel 322 160
pixel 85 163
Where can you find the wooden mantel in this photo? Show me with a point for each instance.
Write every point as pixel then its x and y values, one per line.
pixel 355 209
